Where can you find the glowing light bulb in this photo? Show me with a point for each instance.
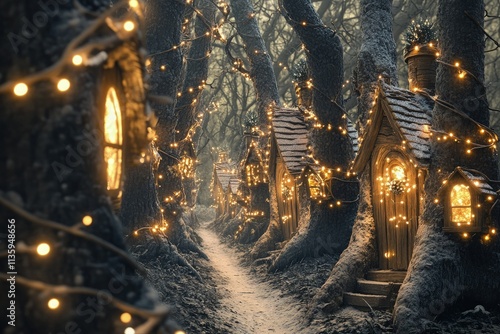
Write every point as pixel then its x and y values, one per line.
pixel 128 25
pixel 133 3
pixel 43 249
pixel 125 317
pixel 77 60
pixel 87 220
pixel 129 330
pixel 465 235
pixel 63 85
pixel 20 89
pixel 53 303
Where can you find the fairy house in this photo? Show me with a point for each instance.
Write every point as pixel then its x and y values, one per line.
pixel 121 114
pixel 291 167
pixel 396 150
pixel 225 187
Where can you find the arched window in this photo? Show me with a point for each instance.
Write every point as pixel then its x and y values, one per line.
pixel 461 210
pixel 113 140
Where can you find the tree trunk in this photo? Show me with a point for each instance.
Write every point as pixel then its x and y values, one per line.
pixel 53 171
pixel 376 57
pixel 444 268
pixel 266 89
pixel 326 225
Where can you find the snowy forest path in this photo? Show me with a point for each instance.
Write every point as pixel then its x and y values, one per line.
pixel 249 306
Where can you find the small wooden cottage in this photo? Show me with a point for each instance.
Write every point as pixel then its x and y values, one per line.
pixel 395 149
pixel 225 188
pixel 291 167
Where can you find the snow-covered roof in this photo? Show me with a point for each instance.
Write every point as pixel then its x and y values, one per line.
pixel 412 114
pixel 409 116
pixel 290 131
pixel 234 184
pixel 478 180
pixel 353 134
pixel 224 173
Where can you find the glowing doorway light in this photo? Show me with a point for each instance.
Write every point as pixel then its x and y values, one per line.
pixel 113 133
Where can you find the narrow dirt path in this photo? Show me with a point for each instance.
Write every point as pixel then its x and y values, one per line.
pixel 249 306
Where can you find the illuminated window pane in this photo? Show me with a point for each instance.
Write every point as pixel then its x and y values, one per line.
pixel 460 195
pixel 112 119
pixel 113 140
pixel 461 211
pixel 113 158
pixel 314 186
pixel 461 215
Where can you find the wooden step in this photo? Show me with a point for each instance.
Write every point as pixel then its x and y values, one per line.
pixel 395 276
pixel 363 300
pixel 377 288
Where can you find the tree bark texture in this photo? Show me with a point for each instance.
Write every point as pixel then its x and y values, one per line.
pixel 376 57
pixel 332 148
pixel 41 130
pixel 444 268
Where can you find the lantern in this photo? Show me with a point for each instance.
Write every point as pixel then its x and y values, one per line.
pixel 316 185
pixel 468 200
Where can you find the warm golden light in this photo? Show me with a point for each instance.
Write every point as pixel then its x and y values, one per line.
pixel 125 317
pixel 63 85
pixel 129 330
pixel 53 303
pixel 43 249
pixel 314 186
pixel 128 26
pixel 113 138
pixel 20 89
pixel 77 60
pixel 461 211
pixel 398 173
pixel 133 3
pixel 87 220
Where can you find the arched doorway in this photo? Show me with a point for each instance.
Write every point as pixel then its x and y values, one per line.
pixel 395 185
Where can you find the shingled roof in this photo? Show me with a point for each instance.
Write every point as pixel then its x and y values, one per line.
pixel 224 173
pixel 409 115
pixel 290 131
pixel 477 179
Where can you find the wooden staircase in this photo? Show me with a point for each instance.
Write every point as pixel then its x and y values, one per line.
pixel 377 291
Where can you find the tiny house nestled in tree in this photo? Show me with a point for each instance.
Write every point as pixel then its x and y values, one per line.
pixel 395 149
pixel 292 167
pixel 225 187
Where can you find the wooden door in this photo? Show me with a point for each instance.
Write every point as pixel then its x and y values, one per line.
pixel 396 187
pixel 286 194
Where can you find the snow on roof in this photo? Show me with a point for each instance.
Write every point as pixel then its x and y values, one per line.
pixel 234 184
pixel 224 173
pixel 412 115
pixel 479 181
pixel 353 134
pixel 290 131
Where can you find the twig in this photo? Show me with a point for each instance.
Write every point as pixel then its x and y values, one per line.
pixel 160 311
pixel 79 233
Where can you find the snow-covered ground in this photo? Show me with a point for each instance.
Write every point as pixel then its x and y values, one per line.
pixel 249 306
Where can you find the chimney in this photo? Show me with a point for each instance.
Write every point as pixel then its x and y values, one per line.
pixel 422 65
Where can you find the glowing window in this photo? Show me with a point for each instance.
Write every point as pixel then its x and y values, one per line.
pixel 314 186
pixel 461 211
pixel 113 134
